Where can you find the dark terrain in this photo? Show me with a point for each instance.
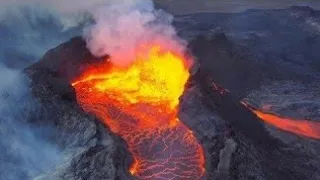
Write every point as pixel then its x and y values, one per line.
pixel 260 56
pixel 190 6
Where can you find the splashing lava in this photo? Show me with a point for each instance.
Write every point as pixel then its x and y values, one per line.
pixel 140 103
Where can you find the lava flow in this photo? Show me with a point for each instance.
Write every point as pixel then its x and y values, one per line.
pixel 301 127
pixel 140 103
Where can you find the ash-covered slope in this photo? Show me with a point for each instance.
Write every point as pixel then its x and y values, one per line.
pixel 268 57
pixel 261 46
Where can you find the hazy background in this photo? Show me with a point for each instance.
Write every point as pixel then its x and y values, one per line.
pixel 192 6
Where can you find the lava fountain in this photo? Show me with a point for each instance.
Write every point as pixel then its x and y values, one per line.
pixel 140 103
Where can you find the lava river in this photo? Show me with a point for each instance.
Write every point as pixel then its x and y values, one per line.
pixel 301 127
pixel 140 103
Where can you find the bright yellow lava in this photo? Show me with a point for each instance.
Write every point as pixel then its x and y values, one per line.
pixel 157 78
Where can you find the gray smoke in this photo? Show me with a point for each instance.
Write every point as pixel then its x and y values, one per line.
pixel 27 31
pixel 26 34
pixel 25 153
pixel 123 29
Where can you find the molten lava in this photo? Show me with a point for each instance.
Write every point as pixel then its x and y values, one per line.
pixel 140 103
pixel 301 127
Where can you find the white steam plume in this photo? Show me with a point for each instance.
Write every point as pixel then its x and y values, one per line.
pixel 122 29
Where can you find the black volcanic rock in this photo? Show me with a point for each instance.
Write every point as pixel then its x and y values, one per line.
pixel 238 115
pixel 237 144
pixel 59 66
pixel 266 54
pixel 66 60
pixel 266 45
pixel 230 69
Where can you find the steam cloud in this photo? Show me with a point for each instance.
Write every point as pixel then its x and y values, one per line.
pixel 124 28
pixel 26 34
pixel 121 27
pixel 24 152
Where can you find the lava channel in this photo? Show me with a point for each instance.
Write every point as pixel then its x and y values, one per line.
pixel 305 128
pixel 140 103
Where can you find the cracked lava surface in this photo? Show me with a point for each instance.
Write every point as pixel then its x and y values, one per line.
pixel 140 103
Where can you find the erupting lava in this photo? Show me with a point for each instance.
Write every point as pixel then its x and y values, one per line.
pixel 140 103
pixel 300 127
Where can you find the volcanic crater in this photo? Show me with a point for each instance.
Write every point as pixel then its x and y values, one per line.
pixel 162 118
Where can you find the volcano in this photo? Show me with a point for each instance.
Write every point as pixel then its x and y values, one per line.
pixel 162 117
pixel 158 130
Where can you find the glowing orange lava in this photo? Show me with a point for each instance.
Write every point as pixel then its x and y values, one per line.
pixel 300 127
pixel 140 103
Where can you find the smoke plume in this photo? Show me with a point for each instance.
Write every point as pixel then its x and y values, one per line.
pixel 122 29
pixel 27 32
pixel 25 154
